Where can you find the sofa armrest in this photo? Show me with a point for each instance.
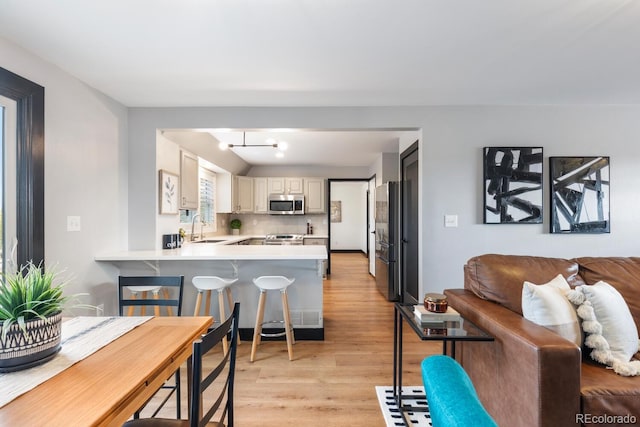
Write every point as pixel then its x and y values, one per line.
pixel 528 376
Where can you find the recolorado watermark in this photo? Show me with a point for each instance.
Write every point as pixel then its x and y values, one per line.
pixel 605 419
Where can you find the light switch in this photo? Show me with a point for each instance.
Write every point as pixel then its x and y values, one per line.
pixel 73 223
pixel 451 220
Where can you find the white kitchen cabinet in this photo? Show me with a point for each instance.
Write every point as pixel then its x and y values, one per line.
pixel 285 185
pixel 260 196
pixel 314 192
pixel 243 194
pixel 321 241
pixel 224 193
pixel 234 193
pixel 189 184
pixel 276 186
pixel 294 185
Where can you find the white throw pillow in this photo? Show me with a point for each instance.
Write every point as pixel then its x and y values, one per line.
pixel 548 306
pixel 608 323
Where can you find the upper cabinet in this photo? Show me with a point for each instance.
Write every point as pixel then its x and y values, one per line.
pixel 314 191
pixel 234 193
pixel 285 185
pixel 260 195
pixel 294 185
pixel 275 185
pixel 243 194
pixel 189 184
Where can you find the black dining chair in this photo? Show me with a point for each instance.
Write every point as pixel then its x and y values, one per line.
pixel 217 378
pixel 166 291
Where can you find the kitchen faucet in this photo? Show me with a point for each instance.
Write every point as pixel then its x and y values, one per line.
pixel 193 224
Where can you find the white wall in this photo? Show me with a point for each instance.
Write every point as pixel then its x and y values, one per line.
pixel 351 233
pixel 85 174
pixel 168 159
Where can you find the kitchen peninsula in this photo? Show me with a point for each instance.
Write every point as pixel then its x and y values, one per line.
pixel 227 259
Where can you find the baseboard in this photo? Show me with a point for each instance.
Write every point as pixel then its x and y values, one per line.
pixel 348 251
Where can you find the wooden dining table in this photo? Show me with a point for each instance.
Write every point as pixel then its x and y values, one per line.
pixel 108 386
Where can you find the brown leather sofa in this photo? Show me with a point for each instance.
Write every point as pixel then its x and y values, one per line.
pixel 530 376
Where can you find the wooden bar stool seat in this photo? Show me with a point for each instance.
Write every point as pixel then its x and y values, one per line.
pixel 272 283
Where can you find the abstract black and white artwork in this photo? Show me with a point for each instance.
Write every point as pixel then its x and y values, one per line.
pixel 513 185
pixel 579 194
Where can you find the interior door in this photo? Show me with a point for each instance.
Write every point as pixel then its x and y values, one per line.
pixel 409 227
pixel 372 226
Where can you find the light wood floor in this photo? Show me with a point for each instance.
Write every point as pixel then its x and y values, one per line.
pixel 330 382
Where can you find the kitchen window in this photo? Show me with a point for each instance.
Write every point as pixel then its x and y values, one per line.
pixel 207 197
pixel 206 204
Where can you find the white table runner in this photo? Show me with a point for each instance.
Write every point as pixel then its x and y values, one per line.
pixel 81 337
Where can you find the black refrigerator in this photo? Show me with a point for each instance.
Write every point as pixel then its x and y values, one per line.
pixel 386 232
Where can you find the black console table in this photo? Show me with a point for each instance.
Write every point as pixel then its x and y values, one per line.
pixel 448 333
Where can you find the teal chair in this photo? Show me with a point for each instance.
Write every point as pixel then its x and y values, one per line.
pixel 452 399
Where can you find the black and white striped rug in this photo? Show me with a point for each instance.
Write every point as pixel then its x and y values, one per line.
pixel 390 411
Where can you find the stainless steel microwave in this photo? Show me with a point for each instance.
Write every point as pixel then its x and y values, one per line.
pixel 282 204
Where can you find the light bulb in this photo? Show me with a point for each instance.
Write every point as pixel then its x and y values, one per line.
pixel 282 146
pixel 223 145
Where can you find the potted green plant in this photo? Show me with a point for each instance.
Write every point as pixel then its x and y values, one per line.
pixel 31 317
pixel 235 225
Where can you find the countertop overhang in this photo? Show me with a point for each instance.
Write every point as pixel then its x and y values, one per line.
pixel 214 251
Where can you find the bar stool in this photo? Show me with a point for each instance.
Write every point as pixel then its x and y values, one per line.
pixel 208 284
pixel 273 283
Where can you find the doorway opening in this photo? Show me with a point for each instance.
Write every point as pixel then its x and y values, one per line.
pixel 348 216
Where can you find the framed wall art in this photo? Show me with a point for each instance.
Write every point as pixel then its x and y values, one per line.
pixel 512 185
pixel 168 193
pixel 579 194
pixel 336 211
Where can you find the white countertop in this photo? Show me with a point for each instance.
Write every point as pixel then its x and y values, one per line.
pixel 234 238
pixel 221 251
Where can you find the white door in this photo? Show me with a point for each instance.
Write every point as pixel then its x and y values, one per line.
pixel 372 226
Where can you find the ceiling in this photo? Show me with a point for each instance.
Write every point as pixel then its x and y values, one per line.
pixel 150 53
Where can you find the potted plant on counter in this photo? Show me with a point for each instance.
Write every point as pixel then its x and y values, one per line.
pixel 235 225
pixel 30 317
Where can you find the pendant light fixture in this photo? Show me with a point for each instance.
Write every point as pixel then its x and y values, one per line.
pixel 271 143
